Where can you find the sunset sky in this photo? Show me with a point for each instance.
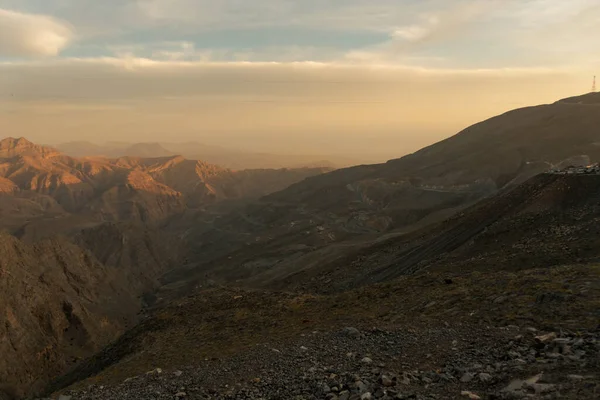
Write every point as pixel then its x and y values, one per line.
pixel 383 77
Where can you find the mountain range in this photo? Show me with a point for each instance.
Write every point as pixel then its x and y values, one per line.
pixel 172 263
pixel 229 158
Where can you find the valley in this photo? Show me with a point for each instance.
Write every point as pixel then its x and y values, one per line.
pixel 437 275
pixel 85 244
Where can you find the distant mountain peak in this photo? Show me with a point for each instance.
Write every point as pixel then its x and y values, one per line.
pixel 15 146
pixel 151 150
pixel 10 143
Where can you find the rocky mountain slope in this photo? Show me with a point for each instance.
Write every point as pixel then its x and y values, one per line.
pixel 86 241
pixel 38 181
pixel 549 220
pixel 418 337
pixel 318 221
pixel 64 299
pixel 479 275
pixel 507 149
pixel 500 301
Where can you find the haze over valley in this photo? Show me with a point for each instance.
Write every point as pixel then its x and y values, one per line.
pixel 342 200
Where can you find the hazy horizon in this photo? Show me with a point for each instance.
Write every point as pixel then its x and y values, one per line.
pixel 377 78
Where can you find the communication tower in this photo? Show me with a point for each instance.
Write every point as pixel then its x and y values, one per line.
pixel 594 85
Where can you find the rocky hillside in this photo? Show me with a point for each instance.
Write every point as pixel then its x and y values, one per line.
pixel 481 159
pixel 453 272
pixel 549 220
pixel 62 300
pixel 495 335
pixel 38 182
pixel 499 302
pixel 86 243
pixel 321 217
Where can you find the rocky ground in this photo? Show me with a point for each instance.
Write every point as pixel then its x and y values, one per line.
pixel 526 334
pixel 446 362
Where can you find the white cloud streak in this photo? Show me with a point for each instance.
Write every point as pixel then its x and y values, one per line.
pixel 32 35
pixel 118 78
pixel 445 24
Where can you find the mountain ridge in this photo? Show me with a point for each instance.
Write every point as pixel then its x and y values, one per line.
pixel 471 234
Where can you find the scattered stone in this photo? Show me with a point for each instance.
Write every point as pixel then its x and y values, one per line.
pixel 351 332
pixel 154 371
pixel 361 387
pixel 484 377
pixel 546 338
pixel 386 381
pixel 540 388
pixel 500 299
pixel 344 395
pixel 329 371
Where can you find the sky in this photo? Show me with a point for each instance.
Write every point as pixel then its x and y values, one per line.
pixel 380 77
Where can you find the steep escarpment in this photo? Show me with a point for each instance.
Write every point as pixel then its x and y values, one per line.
pixel 59 304
pixel 65 299
pixel 145 252
pixel 150 190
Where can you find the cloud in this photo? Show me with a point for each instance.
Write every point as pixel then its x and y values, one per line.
pixel 31 35
pixel 188 51
pixel 442 25
pixel 297 106
pixel 560 30
pixel 431 28
pixel 131 77
pixel 379 15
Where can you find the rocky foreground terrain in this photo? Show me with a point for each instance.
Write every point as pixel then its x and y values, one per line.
pixel 348 365
pixel 532 334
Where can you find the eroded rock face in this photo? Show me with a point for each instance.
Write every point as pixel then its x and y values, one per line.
pixel 60 303
pixel 149 190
